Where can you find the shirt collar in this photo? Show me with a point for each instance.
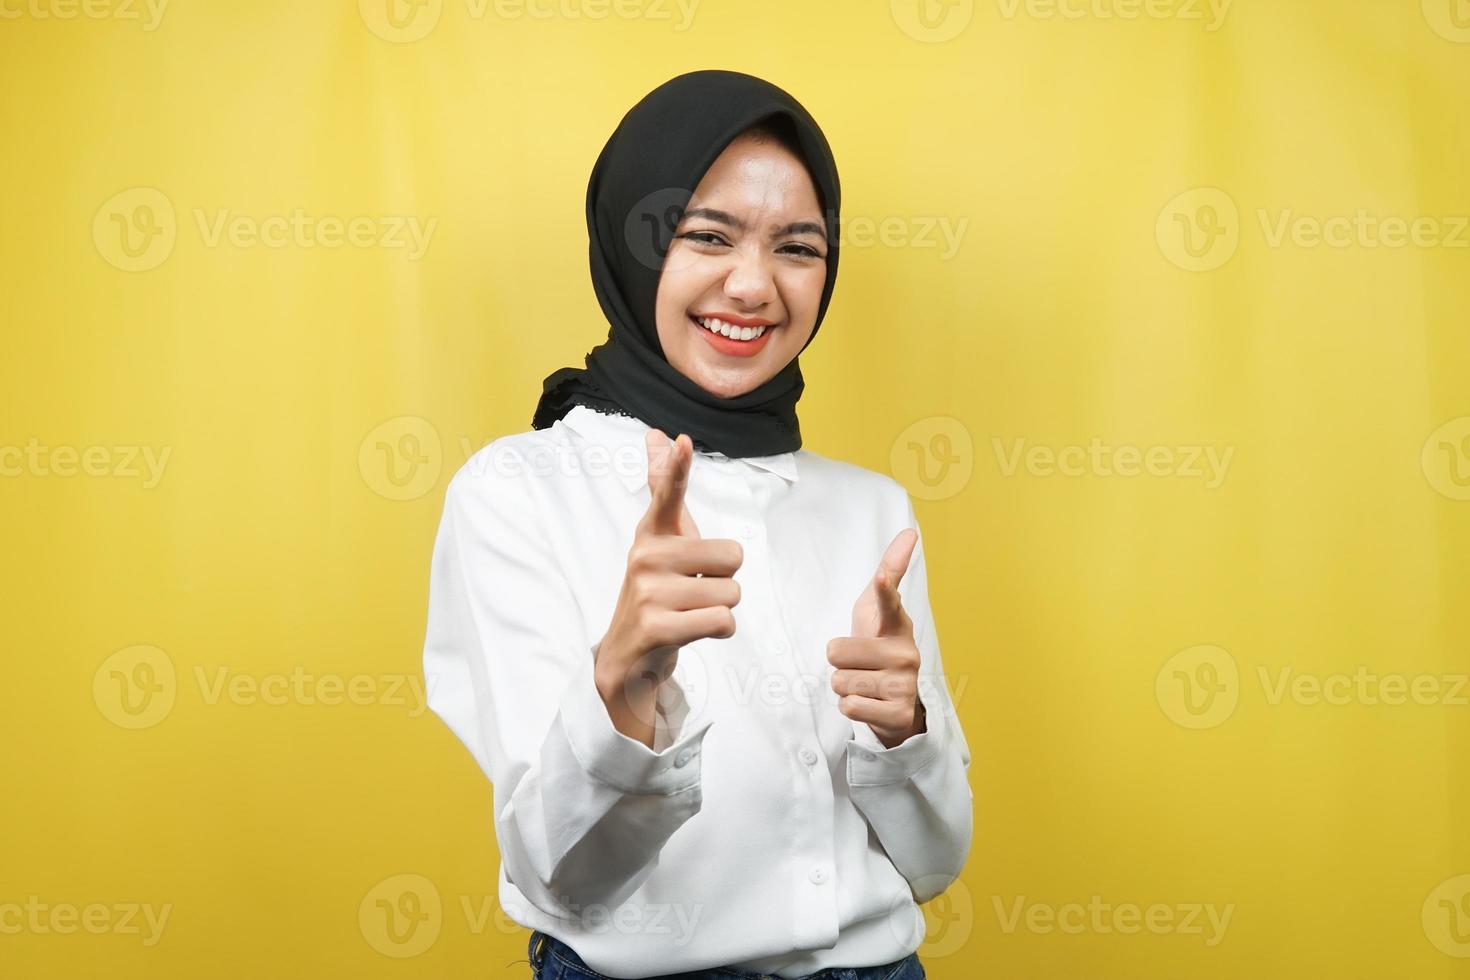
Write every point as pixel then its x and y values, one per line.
pixel 622 430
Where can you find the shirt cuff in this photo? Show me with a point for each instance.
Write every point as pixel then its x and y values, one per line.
pixel 624 763
pixel 869 763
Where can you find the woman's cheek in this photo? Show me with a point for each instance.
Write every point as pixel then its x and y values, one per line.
pixel 805 292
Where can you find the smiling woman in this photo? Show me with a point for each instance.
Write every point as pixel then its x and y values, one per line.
pixel 717 194
pixel 742 282
pixel 596 641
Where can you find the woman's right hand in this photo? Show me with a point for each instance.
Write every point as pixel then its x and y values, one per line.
pixel 678 588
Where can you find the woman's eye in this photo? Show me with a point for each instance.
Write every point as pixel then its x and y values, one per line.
pixel 710 238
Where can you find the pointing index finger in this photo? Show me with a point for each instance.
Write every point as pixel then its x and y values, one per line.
pixel 668 476
pixel 891 569
pixel 895 560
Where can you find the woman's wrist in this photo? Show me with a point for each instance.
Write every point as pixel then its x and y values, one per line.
pixel 631 713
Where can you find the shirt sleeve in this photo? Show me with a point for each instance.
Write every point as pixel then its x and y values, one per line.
pixel 916 795
pixel 581 810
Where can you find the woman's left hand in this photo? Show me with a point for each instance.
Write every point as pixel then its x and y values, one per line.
pixel 877 674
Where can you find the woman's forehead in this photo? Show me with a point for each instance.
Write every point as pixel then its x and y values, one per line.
pixel 756 183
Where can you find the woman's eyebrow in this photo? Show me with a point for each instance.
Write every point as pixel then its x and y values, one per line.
pixel 726 218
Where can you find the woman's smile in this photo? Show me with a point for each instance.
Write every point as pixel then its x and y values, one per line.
pixel 734 335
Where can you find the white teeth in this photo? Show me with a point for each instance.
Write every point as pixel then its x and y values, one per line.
pixel 729 330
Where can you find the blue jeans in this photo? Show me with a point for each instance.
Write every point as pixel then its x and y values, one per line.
pixel 552 959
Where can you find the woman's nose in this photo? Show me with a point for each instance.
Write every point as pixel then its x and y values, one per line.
pixel 750 282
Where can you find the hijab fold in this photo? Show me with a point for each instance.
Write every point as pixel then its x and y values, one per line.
pixel 639 188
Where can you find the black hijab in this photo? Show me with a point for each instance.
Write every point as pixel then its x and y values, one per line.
pixel 636 197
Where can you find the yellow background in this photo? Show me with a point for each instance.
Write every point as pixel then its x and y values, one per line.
pixel 1073 609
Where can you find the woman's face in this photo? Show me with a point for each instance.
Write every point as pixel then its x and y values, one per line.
pixel 751 251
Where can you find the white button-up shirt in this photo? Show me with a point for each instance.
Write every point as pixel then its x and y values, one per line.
pixel 765 830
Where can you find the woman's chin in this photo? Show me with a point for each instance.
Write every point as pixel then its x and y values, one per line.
pixel 724 384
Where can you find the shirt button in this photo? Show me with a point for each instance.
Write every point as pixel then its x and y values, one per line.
pixel 747 531
pixel 818 875
pixel 780 645
pixel 682 759
pixel 809 757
